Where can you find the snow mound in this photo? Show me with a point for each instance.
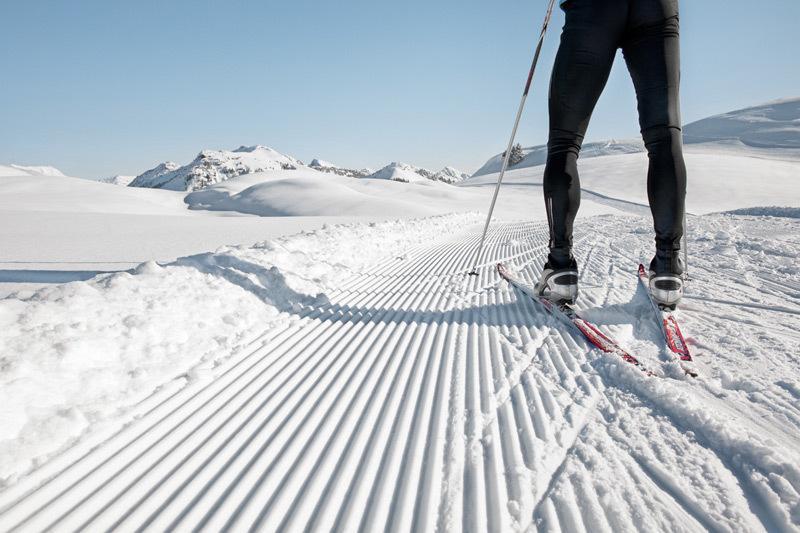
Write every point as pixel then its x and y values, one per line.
pixel 330 168
pixel 80 354
pixel 23 170
pixel 772 125
pixel 215 166
pixel 304 192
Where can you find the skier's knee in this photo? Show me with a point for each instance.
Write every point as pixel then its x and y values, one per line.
pixel 562 142
pixel 662 140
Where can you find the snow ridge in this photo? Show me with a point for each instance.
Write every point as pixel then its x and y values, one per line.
pixel 38 170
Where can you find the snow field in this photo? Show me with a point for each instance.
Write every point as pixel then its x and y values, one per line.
pixel 411 396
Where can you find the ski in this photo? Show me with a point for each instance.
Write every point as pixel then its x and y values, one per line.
pixel 670 329
pixel 569 315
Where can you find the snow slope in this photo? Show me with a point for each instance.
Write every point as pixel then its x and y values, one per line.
pixel 772 125
pixel 718 180
pixel 537 155
pixel 56 228
pixel 22 170
pixel 771 130
pixel 406 395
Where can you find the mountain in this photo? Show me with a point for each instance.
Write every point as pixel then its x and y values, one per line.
pixel 325 166
pixel 450 175
pixel 771 125
pixel 214 166
pixel 402 172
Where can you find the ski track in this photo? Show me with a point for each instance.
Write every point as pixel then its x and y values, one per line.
pixel 422 399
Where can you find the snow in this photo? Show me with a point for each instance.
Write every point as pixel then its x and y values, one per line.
pixel 363 357
pixel 61 228
pixel 772 125
pixel 17 170
pixel 77 354
pixel 352 376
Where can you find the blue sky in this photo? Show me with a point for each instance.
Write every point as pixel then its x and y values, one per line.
pixel 98 88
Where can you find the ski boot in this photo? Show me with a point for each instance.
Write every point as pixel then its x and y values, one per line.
pixel 665 278
pixel 559 285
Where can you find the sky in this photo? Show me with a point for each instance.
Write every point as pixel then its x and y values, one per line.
pixel 98 88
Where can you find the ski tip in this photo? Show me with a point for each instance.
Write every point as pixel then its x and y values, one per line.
pixel 642 271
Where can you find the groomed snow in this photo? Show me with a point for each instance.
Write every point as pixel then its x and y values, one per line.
pixel 295 385
pixel 78 354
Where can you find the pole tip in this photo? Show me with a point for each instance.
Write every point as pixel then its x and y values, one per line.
pixel 473 273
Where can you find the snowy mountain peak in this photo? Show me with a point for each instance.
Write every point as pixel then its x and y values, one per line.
pixel 404 172
pixel 214 166
pixel 328 167
pixel 450 175
pixel 321 163
pixel 119 179
pixel 410 174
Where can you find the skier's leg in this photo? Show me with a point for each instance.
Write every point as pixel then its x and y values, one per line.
pixel 651 49
pixel 589 41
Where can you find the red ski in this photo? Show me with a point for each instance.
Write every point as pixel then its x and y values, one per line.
pixel 669 328
pixel 567 314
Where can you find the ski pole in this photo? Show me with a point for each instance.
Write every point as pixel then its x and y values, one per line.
pixel 474 271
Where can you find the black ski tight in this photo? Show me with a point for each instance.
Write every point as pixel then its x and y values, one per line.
pixel 647 32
